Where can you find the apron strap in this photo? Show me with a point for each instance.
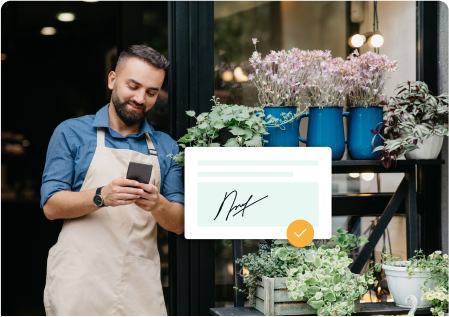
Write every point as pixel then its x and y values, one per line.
pixel 156 174
pixel 100 137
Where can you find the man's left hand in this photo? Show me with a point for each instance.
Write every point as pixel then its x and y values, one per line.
pixel 149 199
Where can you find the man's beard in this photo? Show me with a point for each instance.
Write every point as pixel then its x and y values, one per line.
pixel 129 117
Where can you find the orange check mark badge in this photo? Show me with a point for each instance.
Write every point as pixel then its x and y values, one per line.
pixel 304 237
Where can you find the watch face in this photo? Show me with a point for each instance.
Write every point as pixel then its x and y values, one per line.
pixel 98 200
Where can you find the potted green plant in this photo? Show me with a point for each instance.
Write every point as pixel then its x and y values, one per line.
pixel 415 123
pixel 416 276
pixel 225 125
pixel 310 280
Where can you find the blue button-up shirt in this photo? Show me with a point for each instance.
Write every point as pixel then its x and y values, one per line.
pixel 72 147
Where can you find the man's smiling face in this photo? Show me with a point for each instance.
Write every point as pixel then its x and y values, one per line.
pixel 135 86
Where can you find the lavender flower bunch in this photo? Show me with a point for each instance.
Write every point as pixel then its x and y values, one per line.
pixel 368 74
pixel 276 78
pixel 322 79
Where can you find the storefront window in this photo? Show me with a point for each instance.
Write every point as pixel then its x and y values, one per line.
pixel 307 25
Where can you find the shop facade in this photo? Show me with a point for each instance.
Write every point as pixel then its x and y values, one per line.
pixel 208 45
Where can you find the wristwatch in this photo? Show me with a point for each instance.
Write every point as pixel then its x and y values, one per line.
pixel 98 200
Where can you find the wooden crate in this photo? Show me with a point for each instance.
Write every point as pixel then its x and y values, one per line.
pixel 272 300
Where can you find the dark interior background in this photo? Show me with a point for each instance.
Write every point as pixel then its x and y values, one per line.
pixel 46 80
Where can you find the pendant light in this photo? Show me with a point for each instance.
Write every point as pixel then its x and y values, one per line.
pixel 374 38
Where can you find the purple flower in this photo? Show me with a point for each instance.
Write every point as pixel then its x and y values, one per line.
pixel 255 41
pixel 250 76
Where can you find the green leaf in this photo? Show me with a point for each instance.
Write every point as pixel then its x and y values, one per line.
pixel 244 114
pixel 218 125
pixel 330 297
pixel 185 139
pixel 232 143
pixel 227 110
pixel 308 257
pixel 313 289
pixel 317 262
pixel 200 118
pixel 336 279
pixel 227 117
pixel 316 304
pixel 352 238
pixel 362 240
pixel 255 141
pixel 282 254
pixel 302 287
pixel 214 145
pixel 311 281
pixel 411 147
pixel 213 117
pixel 237 131
pixel 341 241
pixel 190 113
pixel 248 134
pixel 341 231
pixel 203 125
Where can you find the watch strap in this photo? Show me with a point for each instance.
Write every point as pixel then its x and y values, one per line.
pixel 98 193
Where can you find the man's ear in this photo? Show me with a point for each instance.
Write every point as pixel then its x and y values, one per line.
pixel 112 77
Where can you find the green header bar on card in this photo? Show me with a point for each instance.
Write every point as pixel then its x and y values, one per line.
pixel 258 163
pixel 245 174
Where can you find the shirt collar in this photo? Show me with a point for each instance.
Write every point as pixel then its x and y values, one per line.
pixel 102 120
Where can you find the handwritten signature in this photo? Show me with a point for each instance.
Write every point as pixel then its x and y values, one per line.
pixel 245 205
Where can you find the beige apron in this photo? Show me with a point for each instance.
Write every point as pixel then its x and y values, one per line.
pixel 107 262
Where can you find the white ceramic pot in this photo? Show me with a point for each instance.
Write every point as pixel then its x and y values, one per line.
pixel 401 285
pixel 428 150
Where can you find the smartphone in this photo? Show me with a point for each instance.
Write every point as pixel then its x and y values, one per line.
pixel 139 171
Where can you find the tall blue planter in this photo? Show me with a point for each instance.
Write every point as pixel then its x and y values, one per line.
pixel 361 121
pixel 325 129
pixel 286 137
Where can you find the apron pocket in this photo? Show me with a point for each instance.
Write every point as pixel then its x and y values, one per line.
pixel 140 289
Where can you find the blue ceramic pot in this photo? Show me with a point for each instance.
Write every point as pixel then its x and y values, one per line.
pixel 361 121
pixel 325 129
pixel 288 135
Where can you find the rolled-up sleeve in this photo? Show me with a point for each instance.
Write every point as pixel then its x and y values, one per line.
pixel 173 187
pixel 59 164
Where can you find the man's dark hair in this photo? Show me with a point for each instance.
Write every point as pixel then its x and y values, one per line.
pixel 144 53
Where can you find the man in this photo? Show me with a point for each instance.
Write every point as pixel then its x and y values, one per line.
pixel 106 260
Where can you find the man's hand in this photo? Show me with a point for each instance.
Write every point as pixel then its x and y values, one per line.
pixel 149 199
pixel 118 194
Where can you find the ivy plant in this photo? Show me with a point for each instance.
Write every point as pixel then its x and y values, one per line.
pixel 247 127
pixel 317 273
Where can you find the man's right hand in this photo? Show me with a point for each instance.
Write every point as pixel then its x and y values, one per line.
pixel 118 192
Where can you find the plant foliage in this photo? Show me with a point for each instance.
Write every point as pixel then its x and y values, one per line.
pixel 247 127
pixel 413 115
pixel 436 267
pixel 317 273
